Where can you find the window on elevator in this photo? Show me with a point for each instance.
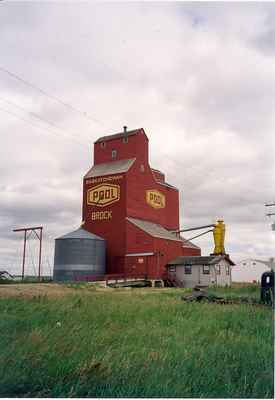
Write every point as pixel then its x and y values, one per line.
pixel 114 153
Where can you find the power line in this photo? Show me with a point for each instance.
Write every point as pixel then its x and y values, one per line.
pixel 37 126
pixel 35 116
pixel 42 91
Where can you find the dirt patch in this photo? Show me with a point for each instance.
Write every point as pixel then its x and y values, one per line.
pixel 55 290
pixel 35 289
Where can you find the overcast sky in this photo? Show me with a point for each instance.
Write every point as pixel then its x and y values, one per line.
pixel 198 77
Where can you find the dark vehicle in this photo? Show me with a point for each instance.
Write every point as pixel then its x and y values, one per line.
pixel 267 287
pixel 5 277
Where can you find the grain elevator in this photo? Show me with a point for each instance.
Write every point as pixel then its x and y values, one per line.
pixel 132 207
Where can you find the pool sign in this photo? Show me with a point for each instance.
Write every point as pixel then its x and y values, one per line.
pixel 155 199
pixel 103 195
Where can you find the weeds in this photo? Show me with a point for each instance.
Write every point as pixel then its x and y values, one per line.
pixel 135 344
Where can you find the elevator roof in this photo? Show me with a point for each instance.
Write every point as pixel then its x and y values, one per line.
pixel 120 135
pixel 153 229
pixel 112 167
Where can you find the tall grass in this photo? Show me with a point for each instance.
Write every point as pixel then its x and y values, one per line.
pixel 134 344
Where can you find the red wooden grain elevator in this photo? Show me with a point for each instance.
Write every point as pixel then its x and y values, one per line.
pixel 130 204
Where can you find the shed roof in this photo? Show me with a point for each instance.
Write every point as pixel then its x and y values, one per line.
pixel 120 135
pixel 199 260
pixel 80 233
pixel 153 229
pixel 112 167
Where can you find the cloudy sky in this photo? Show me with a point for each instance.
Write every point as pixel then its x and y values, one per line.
pixel 198 77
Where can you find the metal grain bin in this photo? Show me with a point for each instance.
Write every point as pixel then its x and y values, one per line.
pixel 79 255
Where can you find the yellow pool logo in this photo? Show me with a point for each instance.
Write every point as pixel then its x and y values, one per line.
pixel 155 199
pixel 103 195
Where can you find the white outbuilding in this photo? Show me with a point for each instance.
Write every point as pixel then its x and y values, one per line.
pixel 251 270
pixel 201 270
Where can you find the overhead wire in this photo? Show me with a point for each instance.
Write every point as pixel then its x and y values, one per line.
pixel 55 98
pixel 38 126
pixel 35 116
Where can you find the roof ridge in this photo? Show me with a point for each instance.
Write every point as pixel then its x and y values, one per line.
pixel 120 135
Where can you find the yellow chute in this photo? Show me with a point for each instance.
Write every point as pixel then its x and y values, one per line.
pixel 219 234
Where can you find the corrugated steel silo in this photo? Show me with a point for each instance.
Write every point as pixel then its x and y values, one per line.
pixel 79 255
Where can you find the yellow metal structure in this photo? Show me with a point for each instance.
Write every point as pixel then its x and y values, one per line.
pixel 219 234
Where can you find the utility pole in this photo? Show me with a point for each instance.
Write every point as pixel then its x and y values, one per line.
pixel 271 214
pixel 33 229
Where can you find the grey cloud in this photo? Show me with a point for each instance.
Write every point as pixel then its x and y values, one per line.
pixel 266 42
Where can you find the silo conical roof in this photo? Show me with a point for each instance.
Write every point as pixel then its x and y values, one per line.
pixel 80 233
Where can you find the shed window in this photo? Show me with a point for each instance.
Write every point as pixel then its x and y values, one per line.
pixel 187 269
pixel 227 270
pixel 218 269
pixel 103 145
pixel 206 269
pixel 114 153
pixel 172 269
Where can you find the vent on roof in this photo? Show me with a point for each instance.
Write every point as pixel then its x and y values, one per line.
pixel 125 137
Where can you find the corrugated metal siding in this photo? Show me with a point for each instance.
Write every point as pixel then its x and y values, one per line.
pixel 78 257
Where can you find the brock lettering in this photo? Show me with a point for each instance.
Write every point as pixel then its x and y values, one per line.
pixel 101 215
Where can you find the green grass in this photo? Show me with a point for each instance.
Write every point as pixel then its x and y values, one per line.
pixel 134 343
pixel 250 291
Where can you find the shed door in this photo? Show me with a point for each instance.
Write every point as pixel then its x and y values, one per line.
pixel 172 271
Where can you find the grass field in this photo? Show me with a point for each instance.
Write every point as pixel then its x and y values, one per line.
pixel 90 342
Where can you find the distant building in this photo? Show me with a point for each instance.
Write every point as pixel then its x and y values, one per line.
pixel 249 271
pixel 201 271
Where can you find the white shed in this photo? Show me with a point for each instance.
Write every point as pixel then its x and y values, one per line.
pixel 251 270
pixel 201 270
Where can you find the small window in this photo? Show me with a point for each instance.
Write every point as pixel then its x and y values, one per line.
pixel 206 269
pixel 125 139
pixel 227 270
pixel 114 153
pixel 103 145
pixel 187 269
pixel 172 269
pixel 142 168
pixel 218 269
pixel 267 279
